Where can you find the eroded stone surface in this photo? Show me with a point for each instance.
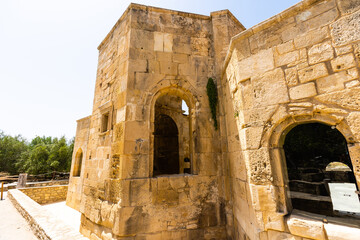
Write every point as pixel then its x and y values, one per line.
pixel 346 30
pixel 300 66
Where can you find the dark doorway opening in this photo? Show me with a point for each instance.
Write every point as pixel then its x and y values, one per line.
pixel 77 164
pixel 312 150
pixel 166 146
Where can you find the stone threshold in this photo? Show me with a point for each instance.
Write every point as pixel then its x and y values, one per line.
pixel 44 224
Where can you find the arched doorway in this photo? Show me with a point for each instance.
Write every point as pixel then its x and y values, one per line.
pixel 166 146
pixel 316 156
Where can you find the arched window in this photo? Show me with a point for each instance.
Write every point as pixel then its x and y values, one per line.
pixel 171 136
pixel 317 159
pixel 166 146
pixel 77 163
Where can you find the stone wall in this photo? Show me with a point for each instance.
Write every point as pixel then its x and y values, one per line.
pixel 297 67
pixel 80 148
pixel 37 184
pixel 44 195
pixel 150 53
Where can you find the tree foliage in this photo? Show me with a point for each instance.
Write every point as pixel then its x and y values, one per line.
pixel 41 155
pixel 11 149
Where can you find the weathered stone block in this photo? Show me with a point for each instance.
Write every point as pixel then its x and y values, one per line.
pixel 138 65
pixel 180 58
pixel 237 166
pixel 139 194
pixel 254 65
pixel 270 88
pixel 242 50
pixel 208 163
pixel 346 29
pixel 343 62
pixel 315 10
pixel 285 47
pixel 287 58
pixel 250 137
pixel 343 50
pixel 169 68
pixel 352 84
pixel 312 72
pixel 186 69
pixel 306 227
pixel 321 20
pixel 136 130
pixel 163 56
pixel 311 38
pixel 302 91
pixel 291 76
pixel 200 46
pixel 168 42
pixel 320 53
pixel 182 44
pixel 331 83
pixel 354 123
pixel 142 39
pixel 258 165
pixel 348 6
pixel 349 98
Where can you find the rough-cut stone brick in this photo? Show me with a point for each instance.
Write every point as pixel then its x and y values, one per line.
pixel 256 64
pixel 320 53
pixel 270 88
pixel 302 91
pixel 311 38
pixel 312 72
pixel 287 58
pixel 343 62
pixel 331 83
pixel 291 76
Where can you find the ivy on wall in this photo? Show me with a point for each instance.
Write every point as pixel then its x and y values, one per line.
pixel 213 98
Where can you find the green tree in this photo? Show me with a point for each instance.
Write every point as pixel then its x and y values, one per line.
pixel 46 154
pixel 11 149
pixel 41 155
pixel 60 154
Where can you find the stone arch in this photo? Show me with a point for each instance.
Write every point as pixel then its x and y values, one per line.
pixel 77 163
pixel 274 138
pixel 190 100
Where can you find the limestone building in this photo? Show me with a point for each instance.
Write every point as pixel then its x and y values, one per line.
pixel 149 162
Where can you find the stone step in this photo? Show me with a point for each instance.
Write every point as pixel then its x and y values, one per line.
pixel 317 188
pixel 312 203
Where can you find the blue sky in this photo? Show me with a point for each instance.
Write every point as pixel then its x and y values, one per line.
pixel 48 56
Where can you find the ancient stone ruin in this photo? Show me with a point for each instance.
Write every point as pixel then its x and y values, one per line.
pixel 149 163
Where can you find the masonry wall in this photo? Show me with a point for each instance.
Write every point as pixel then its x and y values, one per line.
pixel 48 194
pixel 151 53
pixel 298 67
pixel 80 145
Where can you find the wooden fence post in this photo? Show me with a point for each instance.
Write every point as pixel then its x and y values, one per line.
pixel 2 190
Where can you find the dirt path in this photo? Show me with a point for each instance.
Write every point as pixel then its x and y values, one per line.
pixel 12 225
